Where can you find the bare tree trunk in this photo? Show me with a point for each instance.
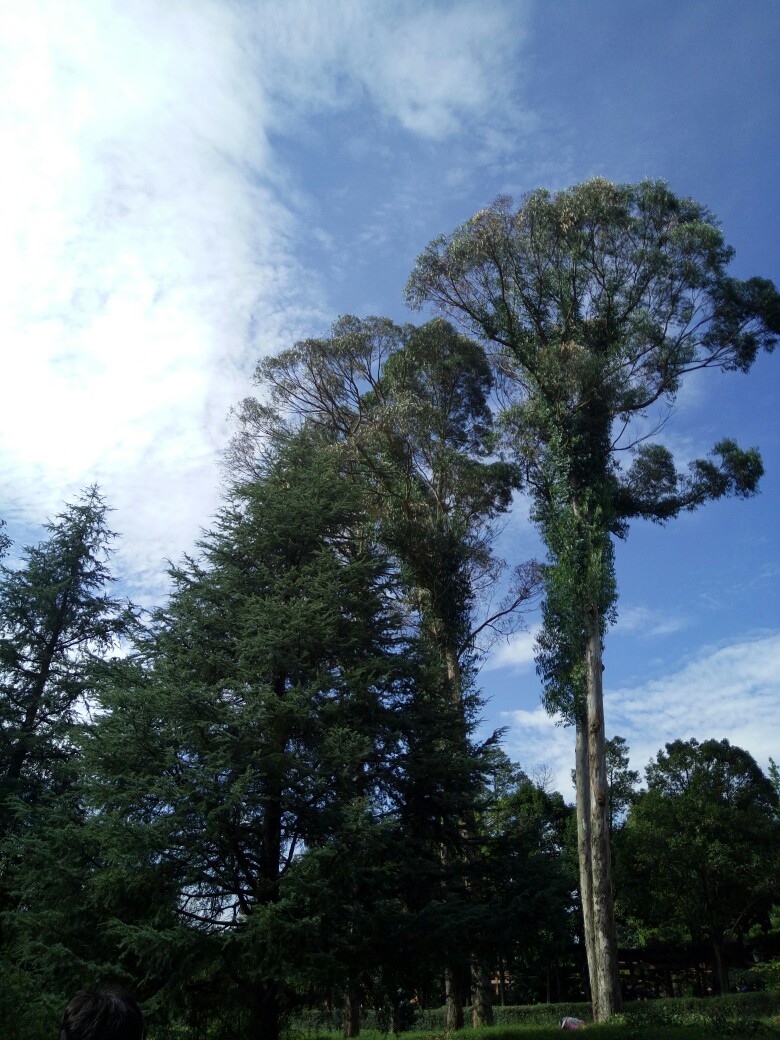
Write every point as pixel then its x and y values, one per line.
pixel 453 1001
pixel 605 944
pixel 453 997
pixel 481 996
pixel 582 774
pixel 721 972
pixel 351 1018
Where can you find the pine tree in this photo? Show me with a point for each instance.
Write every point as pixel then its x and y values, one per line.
pixel 409 407
pixel 58 625
pixel 57 622
pixel 251 735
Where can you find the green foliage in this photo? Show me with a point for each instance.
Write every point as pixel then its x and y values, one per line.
pixel 774 778
pixel 528 880
pixel 766 975
pixel 26 1012
pixel 247 738
pixel 701 844
pixel 58 624
pixel 596 301
pixel 724 1015
pixel 622 781
pixel 410 409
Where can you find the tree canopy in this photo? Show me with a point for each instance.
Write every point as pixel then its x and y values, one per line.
pixel 593 304
pixel 703 846
pixel 271 794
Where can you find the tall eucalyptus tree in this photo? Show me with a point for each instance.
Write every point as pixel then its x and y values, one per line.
pixel 594 303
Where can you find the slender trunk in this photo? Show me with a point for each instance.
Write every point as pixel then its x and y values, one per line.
pixel 721 972
pixel 481 994
pixel 453 997
pixel 581 773
pixel 453 1000
pixel 605 944
pixel 265 1005
pixel 502 983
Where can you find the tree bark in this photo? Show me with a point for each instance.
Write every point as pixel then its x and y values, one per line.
pixel 351 1020
pixel 721 971
pixel 481 996
pixel 582 775
pixel 453 1000
pixel 604 939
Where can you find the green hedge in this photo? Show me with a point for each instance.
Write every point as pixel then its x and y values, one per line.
pixel 713 1010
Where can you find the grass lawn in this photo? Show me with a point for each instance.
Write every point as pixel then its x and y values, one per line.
pixel 763 1027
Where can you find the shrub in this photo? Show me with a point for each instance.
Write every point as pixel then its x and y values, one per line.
pixel 715 1011
pixel 763 976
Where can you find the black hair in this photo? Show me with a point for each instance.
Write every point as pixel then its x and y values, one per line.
pixel 105 1014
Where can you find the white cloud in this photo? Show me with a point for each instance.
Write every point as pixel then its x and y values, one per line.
pixel 135 252
pixel 536 740
pixel 730 692
pixel 647 623
pixel 517 652
pixel 426 66
pixel 152 245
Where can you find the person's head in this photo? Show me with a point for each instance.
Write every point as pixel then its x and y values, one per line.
pixel 105 1014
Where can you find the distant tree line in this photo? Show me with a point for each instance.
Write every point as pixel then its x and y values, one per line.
pixel 268 794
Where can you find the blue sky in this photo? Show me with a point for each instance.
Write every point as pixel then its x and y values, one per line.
pixel 190 185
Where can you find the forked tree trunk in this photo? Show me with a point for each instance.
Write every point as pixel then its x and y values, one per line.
pixel 582 774
pixel 604 938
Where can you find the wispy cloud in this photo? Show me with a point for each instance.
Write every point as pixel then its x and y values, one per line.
pixel 536 740
pixel 728 691
pixel 517 652
pixel 647 623
pixel 427 66
pixel 154 242
pixel 731 691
